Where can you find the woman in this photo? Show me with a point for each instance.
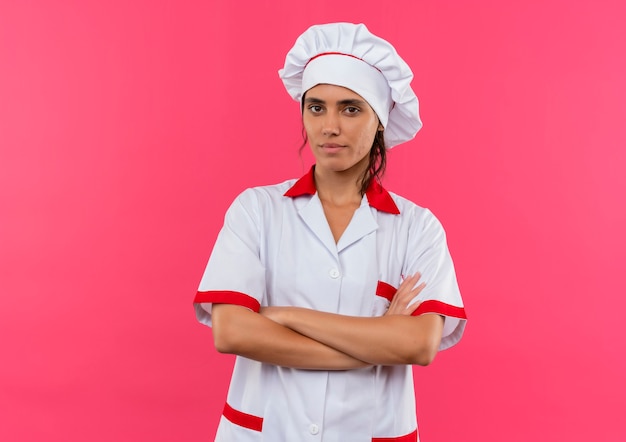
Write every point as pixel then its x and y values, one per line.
pixel 329 288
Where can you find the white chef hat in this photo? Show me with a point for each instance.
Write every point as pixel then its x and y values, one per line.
pixel 349 55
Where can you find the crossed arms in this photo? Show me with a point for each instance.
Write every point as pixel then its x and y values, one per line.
pixel 308 339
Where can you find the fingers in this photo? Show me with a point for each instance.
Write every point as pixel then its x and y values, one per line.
pixel 409 287
pixel 408 290
pixel 410 281
pixel 411 308
pixel 418 288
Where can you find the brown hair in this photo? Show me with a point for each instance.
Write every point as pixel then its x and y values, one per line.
pixel 377 163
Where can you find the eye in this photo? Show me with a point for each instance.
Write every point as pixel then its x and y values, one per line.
pixel 352 110
pixel 315 108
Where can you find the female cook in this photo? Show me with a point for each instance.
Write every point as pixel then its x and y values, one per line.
pixel 329 288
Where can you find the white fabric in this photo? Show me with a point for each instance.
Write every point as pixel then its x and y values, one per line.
pixel 355 40
pixel 354 74
pixel 280 251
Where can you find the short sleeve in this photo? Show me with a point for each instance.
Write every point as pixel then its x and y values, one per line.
pixel 234 273
pixel 428 253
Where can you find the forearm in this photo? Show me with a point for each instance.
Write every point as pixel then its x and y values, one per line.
pixel 239 331
pixel 384 340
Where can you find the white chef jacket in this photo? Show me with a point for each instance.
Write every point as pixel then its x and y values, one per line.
pixel 276 249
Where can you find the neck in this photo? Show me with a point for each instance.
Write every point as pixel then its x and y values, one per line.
pixel 339 188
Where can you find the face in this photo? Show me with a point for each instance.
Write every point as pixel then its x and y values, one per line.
pixel 340 126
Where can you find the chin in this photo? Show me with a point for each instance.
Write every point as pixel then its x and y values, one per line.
pixel 340 167
pixel 332 164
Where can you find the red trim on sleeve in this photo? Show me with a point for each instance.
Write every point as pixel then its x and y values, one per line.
pixel 385 290
pixel 228 297
pixel 441 308
pixel 412 437
pixel 243 419
pixel 377 196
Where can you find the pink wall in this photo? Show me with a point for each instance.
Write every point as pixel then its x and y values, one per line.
pixel 126 128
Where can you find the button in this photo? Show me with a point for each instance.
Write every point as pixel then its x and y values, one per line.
pixel 314 429
pixel 334 273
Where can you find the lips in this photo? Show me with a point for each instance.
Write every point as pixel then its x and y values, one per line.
pixel 331 147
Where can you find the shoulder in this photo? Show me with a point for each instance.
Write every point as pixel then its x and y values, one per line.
pixel 273 192
pixel 416 218
pixel 409 210
pixel 257 206
pixel 262 198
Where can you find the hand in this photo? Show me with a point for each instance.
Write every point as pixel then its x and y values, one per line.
pixel 405 294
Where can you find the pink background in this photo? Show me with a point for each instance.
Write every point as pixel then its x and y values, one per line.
pixel 127 128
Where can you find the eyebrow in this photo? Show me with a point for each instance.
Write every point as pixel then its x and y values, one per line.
pixel 347 102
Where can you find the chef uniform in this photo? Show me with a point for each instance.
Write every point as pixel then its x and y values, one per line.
pixel 276 249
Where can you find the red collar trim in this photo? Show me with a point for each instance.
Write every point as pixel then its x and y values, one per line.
pixel 304 186
pixel 377 196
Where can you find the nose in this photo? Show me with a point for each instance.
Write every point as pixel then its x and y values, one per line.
pixel 331 124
